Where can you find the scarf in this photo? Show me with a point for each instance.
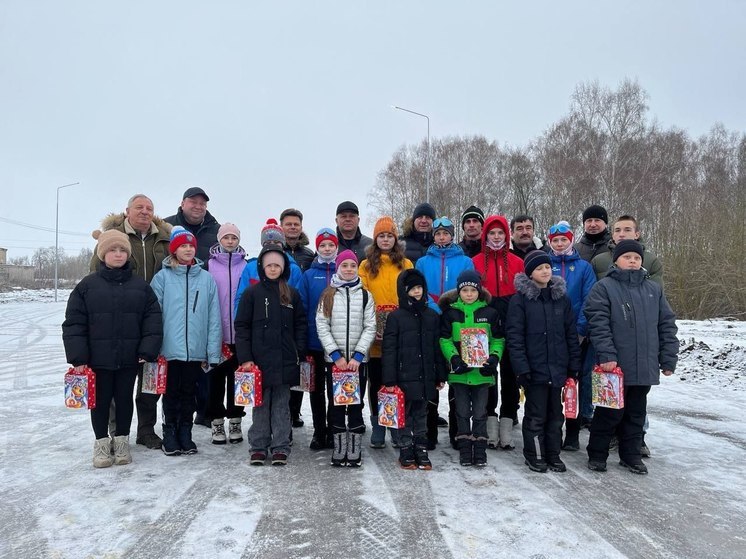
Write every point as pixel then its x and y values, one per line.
pixel 338 282
pixel 328 260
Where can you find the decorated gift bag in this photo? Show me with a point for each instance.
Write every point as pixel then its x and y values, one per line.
pixel 154 376
pixel 382 313
pixel 391 407
pixel 247 387
pixel 570 398
pixel 345 387
pixel 607 388
pixel 225 353
pixel 475 346
pixel 307 376
pixel 80 389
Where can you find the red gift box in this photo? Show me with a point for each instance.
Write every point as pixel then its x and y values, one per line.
pixel 391 407
pixel 307 376
pixel 345 387
pixel 608 388
pixel 154 374
pixel 570 398
pixel 80 389
pixel 247 387
pixel 225 353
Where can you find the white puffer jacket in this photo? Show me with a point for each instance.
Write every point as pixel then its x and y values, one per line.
pixel 347 309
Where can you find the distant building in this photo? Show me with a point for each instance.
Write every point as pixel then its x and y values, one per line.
pixel 14 274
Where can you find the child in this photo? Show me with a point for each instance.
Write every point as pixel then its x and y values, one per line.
pixel 412 361
pixel 384 261
pixel 467 307
pixel 227 261
pixel 346 324
pixel 315 280
pixel 271 333
pixel 192 336
pixel 112 323
pixel 544 351
pixel 631 325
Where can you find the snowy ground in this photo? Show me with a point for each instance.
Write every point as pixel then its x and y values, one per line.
pixel 54 504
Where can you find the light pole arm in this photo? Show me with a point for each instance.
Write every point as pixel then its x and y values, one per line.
pixel 427 177
pixel 57 237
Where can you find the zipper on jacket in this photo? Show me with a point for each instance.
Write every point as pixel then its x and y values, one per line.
pixel 186 313
pixel 443 271
pixel 266 308
pixel 230 298
pixel 347 332
pixel 194 307
pixel 144 259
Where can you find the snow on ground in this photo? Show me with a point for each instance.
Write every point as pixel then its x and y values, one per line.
pixel 55 504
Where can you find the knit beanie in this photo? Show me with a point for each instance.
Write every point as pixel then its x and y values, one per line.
pixel 560 229
pixel 270 255
pixel 472 211
pixel 180 236
pixel 534 259
pixel 596 211
pixel 627 245
pixel 228 229
pixel 441 224
pixel 469 278
pixel 424 209
pixel 326 234
pixel 110 239
pixel 272 233
pixel 385 225
pixel 345 255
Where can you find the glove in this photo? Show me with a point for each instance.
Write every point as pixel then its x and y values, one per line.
pixel 524 380
pixel 573 374
pixel 490 368
pixel 458 366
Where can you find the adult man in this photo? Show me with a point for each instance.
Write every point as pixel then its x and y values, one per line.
pixel 149 237
pixel 471 223
pixel 596 236
pixel 522 237
pixel 626 227
pixel 348 230
pixel 296 241
pixel 193 216
pixel 417 231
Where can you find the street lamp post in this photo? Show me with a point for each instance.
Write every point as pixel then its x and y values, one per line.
pixel 57 237
pixel 427 171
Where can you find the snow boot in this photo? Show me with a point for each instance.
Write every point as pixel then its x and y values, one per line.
pixel 184 433
pixel 218 431
pixel 170 444
pixel 122 450
pixel 597 465
pixel 480 452
pixel 279 459
pixel 506 433
pixel 235 435
pixel 257 458
pixel 644 448
pixel 640 468
pixel 556 465
pixel 420 455
pixel 339 456
pixel 465 445
pixel 377 433
pixel 102 453
pixel 493 431
pixel 354 450
pixel 572 440
pixel 318 441
pixel 394 437
pixel 406 458
pixel 536 464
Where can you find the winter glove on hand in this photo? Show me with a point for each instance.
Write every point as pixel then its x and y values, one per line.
pixel 490 368
pixel 458 366
pixel 524 380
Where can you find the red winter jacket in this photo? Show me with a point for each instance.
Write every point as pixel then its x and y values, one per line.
pixel 497 268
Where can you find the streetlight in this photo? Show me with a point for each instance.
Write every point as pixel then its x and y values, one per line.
pixel 57 236
pixel 427 171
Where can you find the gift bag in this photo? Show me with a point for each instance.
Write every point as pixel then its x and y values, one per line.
pixel 80 389
pixel 307 376
pixel 345 387
pixel 570 398
pixel 382 313
pixel 247 387
pixel 607 388
pixel 475 346
pixel 225 353
pixel 154 376
pixel 391 407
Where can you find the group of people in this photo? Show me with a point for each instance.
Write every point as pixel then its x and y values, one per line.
pixel 500 311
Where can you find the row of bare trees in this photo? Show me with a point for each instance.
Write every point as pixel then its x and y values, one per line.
pixel 689 194
pixel 69 267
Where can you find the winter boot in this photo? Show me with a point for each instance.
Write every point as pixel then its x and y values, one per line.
pixel 406 458
pixel 465 445
pixel 339 456
pixel 640 468
pixel 122 450
pixel 378 433
pixel 354 450
pixel 218 431
pixel 480 452
pixel 597 465
pixel 394 437
pixel 184 433
pixel 318 441
pixel 644 448
pixel 235 435
pixel 170 445
pixel 555 464
pixel 493 431
pixel 102 453
pixel 572 440
pixel 420 455
pixel 506 433
pixel 536 465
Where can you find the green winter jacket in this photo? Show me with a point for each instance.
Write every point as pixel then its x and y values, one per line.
pixel 602 264
pixel 458 315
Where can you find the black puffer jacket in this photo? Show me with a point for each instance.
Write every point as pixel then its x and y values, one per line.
pixel 358 244
pixel 302 255
pixel 206 233
pixel 112 320
pixel 270 334
pixel 540 331
pixel 416 242
pixel 411 352
pixel 630 322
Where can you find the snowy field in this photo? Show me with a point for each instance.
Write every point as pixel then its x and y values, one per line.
pixel 213 504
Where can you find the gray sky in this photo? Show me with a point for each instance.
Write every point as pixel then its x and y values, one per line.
pixel 277 104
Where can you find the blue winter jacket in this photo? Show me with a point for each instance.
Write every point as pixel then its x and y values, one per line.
pixel 250 276
pixel 315 280
pixel 441 267
pixel 192 329
pixel 579 279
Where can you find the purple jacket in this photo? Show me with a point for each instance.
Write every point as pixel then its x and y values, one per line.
pixel 226 269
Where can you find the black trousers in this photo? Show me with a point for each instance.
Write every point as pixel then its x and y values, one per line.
pixel 113 385
pixel 179 401
pixel 627 422
pixel 318 396
pixel 509 391
pixel 220 402
pixel 347 418
pixel 542 422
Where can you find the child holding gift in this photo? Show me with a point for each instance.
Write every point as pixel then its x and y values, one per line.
pixel 112 322
pixel 346 325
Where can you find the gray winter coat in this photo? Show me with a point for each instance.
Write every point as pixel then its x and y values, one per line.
pixel 630 322
pixel 351 328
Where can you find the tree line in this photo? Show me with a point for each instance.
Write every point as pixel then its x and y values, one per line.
pixel 69 267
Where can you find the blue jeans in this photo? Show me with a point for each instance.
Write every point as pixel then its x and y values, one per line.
pixel 270 422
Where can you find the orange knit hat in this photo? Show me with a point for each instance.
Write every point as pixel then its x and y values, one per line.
pixel 385 225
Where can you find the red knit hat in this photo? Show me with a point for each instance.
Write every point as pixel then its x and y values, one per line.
pixel 326 234
pixel 180 236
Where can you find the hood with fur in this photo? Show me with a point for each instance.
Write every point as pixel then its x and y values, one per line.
pixel 527 287
pixel 116 220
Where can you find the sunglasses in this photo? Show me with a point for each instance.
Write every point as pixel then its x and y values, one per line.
pixel 562 228
pixel 442 222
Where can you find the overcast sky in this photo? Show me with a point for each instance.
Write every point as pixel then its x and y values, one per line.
pixel 276 104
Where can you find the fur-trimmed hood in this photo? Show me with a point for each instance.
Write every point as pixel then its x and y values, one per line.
pixel 526 286
pixel 451 296
pixel 408 231
pixel 116 221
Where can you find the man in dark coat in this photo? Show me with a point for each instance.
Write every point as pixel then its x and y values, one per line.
pixel 596 235
pixel 348 230
pixel 296 241
pixel 417 232
pixel 472 221
pixel 193 216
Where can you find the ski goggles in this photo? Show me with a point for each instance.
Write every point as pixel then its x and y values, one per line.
pixel 559 229
pixel 442 222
